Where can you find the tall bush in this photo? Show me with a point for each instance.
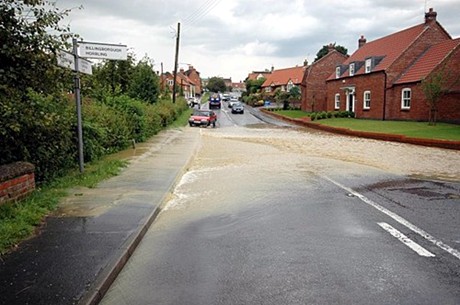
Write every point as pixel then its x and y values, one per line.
pixel 39 129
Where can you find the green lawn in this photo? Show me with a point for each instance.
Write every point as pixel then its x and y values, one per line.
pixel 442 131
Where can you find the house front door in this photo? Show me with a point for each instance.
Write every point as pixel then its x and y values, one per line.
pixel 351 101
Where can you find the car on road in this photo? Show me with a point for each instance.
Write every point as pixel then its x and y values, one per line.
pixel 232 102
pixel 214 101
pixel 225 97
pixel 238 108
pixel 202 118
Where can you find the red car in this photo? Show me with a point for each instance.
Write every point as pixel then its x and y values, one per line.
pixel 203 117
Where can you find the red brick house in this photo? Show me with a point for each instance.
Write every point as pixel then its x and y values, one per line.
pixel 194 76
pixel 381 80
pixel 314 89
pixel 283 79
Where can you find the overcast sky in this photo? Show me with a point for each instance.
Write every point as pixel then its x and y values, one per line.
pixel 231 38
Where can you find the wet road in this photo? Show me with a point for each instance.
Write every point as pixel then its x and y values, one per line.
pixel 262 217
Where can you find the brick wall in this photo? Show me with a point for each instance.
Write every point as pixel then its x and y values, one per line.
pixel 373 82
pixel 17 180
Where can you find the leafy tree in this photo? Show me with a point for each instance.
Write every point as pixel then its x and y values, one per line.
pixel 216 84
pixel 254 85
pixel 145 83
pixel 325 49
pixel 295 93
pixel 30 34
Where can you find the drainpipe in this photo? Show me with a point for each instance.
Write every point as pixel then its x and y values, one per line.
pixel 384 96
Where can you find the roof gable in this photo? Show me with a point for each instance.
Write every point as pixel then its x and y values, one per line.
pixel 428 61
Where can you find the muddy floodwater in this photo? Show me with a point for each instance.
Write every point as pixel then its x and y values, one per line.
pixel 397 158
pixel 250 154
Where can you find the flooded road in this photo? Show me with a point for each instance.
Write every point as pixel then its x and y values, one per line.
pixel 280 215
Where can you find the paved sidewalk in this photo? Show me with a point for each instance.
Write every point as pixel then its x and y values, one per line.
pixel 83 246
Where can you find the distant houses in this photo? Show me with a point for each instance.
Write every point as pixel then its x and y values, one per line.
pixel 283 79
pixel 188 82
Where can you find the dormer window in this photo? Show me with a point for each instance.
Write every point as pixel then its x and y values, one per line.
pixel 337 72
pixel 368 65
pixel 351 68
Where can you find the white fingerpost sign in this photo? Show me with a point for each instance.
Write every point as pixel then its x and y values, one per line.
pixel 67 60
pixel 102 50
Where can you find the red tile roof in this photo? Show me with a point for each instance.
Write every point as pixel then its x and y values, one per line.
pixel 283 76
pixel 429 61
pixel 390 47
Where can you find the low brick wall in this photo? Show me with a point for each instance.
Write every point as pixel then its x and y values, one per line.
pixel 17 180
pixel 371 135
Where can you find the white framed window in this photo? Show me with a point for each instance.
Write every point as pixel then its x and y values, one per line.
pixel 406 95
pixel 368 65
pixel 337 101
pixel 268 89
pixel 337 72
pixel 290 85
pixel 351 68
pixel 367 100
pixel 170 82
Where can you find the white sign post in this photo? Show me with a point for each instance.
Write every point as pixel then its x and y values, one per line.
pixel 102 50
pixel 78 64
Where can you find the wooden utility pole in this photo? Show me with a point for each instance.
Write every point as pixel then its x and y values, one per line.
pixel 162 81
pixel 176 62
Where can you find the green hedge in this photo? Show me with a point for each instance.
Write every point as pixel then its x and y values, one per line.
pixel 42 129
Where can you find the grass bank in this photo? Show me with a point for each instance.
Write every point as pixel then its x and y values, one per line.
pixel 441 131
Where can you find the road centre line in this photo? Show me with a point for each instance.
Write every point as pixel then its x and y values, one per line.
pixel 399 219
pixel 405 240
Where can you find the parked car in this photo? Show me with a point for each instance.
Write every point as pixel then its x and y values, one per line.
pixel 192 102
pixel 238 107
pixel 214 101
pixel 203 118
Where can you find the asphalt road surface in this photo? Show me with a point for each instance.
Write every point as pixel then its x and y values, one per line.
pixel 270 214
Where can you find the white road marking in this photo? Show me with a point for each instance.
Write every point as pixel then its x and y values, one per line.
pixel 406 240
pixel 399 219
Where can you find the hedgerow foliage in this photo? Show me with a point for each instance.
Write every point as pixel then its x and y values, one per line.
pixel 42 129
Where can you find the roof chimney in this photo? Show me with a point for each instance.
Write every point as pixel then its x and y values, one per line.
pixel 361 41
pixel 430 16
pixel 330 47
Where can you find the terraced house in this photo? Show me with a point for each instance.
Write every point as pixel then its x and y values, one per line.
pixel 382 79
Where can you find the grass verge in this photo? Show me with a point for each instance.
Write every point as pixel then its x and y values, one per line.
pixel 440 131
pixel 19 220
